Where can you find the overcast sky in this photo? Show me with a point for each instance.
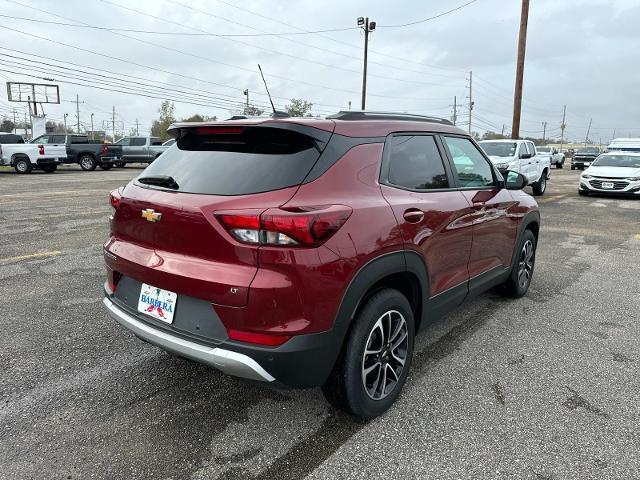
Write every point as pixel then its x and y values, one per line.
pixel 582 53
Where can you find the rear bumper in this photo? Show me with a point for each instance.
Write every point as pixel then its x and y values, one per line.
pixel 50 161
pixel 305 361
pixel 229 362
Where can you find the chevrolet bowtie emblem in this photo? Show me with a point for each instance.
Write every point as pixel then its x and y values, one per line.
pixel 151 216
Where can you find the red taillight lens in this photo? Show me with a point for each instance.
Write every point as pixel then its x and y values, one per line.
pixel 105 150
pixel 303 226
pixel 258 338
pixel 41 149
pixel 115 197
pixel 223 130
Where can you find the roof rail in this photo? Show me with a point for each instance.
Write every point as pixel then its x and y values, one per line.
pixel 368 115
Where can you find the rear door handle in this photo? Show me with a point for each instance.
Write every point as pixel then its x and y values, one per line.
pixel 413 215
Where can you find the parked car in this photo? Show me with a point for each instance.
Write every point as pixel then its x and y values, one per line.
pixel 24 157
pixel 307 252
pixel 583 157
pixel 520 156
pixel 83 151
pixel 555 157
pixel 139 150
pixel 612 173
pixel 10 138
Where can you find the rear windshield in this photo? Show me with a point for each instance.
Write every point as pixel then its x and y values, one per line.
pixel 258 159
pixel 543 149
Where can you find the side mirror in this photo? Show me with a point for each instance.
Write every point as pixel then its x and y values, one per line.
pixel 525 155
pixel 515 180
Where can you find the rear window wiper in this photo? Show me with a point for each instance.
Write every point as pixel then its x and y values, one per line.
pixel 165 181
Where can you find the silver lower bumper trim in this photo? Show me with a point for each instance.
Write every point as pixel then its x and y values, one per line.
pixel 231 363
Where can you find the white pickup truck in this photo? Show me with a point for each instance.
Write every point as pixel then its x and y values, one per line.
pixel 24 157
pixel 520 156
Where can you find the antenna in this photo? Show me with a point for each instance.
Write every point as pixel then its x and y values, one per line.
pixel 267 88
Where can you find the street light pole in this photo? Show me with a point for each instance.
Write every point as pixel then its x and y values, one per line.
pixel 65 122
pixel 367 27
pixel 93 136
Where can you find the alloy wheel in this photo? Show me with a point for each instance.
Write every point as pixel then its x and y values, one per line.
pixel 22 166
pixel 385 355
pixel 525 265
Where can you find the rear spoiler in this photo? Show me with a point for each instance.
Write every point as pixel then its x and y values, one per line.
pixel 180 129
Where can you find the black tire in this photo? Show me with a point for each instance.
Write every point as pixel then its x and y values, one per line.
pixel 120 164
pixel 49 168
pixel 514 287
pixel 87 163
pixel 106 166
pixel 345 388
pixel 582 193
pixel 541 185
pixel 560 165
pixel 22 165
pixel 573 167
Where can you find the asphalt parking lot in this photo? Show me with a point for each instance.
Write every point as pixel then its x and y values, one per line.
pixel 545 387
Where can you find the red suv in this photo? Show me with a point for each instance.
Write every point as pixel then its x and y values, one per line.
pixel 308 252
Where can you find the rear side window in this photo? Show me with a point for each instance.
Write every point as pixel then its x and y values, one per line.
pixel 532 148
pixel 79 139
pixel 138 142
pixel 249 160
pixel 155 141
pixel 472 168
pixel 59 139
pixel 415 163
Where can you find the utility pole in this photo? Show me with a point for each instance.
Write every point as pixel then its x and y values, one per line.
pixel 93 135
pixel 470 98
pixel 502 133
pixel 455 109
pixel 349 104
pixel 586 140
pixel 65 122
pixel 614 132
pixel 522 47
pixel 25 123
pixel 137 127
pixel 15 126
pixel 367 27
pixel 544 130
pixel 113 123
pixel 246 93
pixel 563 126
pixel 77 113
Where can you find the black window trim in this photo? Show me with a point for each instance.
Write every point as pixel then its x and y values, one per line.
pixel 498 181
pixel 385 165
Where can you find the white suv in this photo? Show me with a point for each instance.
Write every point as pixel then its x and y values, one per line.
pixel 520 156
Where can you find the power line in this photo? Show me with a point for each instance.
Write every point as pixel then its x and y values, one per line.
pixel 429 18
pixel 181 34
pixel 296 57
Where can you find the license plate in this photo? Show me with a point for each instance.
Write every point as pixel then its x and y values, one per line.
pixel 607 184
pixel 586 164
pixel 157 303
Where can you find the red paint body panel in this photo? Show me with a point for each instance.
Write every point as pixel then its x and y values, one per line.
pixel 443 237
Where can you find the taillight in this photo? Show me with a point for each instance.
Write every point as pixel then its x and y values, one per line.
pixel 113 278
pixel 115 197
pixel 105 150
pixel 41 149
pixel 302 226
pixel 258 338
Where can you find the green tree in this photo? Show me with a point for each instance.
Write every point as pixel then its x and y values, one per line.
pixel 159 127
pixel 6 125
pixel 299 108
pixel 199 118
pixel 490 135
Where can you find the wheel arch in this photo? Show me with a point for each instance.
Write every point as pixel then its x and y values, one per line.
pixel 403 270
pixel 531 221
